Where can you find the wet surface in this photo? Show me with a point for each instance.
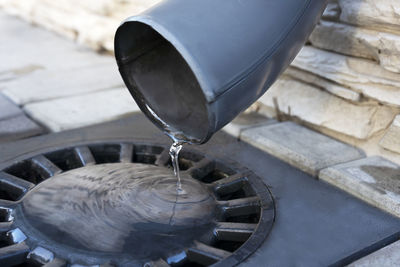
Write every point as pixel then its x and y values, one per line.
pixel 122 208
pixel 383 177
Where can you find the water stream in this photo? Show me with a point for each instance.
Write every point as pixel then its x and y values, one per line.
pixel 174 153
pixel 178 139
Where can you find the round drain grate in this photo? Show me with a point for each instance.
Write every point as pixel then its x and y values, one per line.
pixel 116 204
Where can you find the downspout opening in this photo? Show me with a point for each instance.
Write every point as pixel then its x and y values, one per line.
pixel 161 81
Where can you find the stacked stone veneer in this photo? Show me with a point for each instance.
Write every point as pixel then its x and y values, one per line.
pixel 92 22
pixel 346 80
pixel 344 83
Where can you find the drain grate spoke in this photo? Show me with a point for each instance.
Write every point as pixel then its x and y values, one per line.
pixel 205 254
pixel 6 204
pixel 40 256
pixel 16 236
pixel 14 187
pixel 163 158
pixel 45 166
pixel 6 208
pixel 229 184
pixel 5 227
pixel 201 168
pixel 237 232
pixel 239 207
pixel 126 153
pixel 14 254
pixel 161 263
pixel 158 263
pixel 85 156
pixel 57 262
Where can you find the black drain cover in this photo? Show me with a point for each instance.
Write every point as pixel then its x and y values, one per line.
pixel 117 203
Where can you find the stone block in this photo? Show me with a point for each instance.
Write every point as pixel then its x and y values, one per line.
pixel 246 121
pixel 382 14
pixel 317 107
pixel 90 22
pixel 373 179
pixel 391 139
pixel 78 111
pixel 35 49
pixel 300 147
pixel 362 75
pixel 46 84
pixel 17 128
pixel 100 7
pixel 322 83
pixel 332 11
pixel 129 8
pixel 359 42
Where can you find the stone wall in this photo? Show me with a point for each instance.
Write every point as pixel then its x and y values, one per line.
pixel 91 22
pixel 345 82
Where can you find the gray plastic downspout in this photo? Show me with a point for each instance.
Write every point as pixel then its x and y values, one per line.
pixel 195 64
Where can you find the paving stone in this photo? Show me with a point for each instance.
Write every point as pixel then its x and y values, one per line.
pixel 388 256
pixel 78 111
pixel 25 49
pixel 246 121
pixel 8 109
pixel 46 84
pixel 18 127
pixel 300 147
pixel 373 179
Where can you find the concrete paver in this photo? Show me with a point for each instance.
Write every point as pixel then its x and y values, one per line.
pixel 59 83
pixel 45 84
pixel 78 111
pixel 300 147
pixel 386 257
pixel 25 49
pixel 246 121
pixel 373 179
pixel 18 127
pixel 8 109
